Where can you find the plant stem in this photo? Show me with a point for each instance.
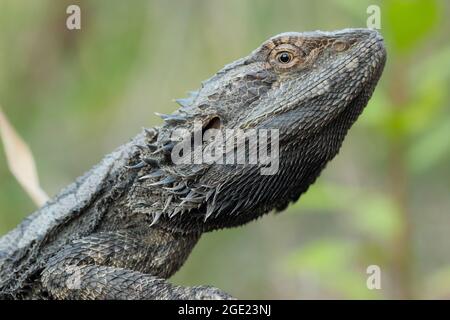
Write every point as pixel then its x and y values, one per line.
pixel 402 249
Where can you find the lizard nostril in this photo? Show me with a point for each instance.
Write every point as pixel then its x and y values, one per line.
pixel 340 46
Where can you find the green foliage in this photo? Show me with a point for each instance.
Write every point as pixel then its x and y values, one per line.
pixel 332 264
pixel 409 22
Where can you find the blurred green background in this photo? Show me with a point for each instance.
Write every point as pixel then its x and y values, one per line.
pixel 76 95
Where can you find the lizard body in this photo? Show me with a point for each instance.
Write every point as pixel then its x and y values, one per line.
pixel 128 224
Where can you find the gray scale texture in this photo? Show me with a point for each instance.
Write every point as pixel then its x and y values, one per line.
pixel 127 225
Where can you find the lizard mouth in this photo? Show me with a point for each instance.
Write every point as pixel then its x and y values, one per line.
pixel 378 52
pixel 356 105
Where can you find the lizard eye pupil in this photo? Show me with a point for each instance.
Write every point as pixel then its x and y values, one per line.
pixel 284 57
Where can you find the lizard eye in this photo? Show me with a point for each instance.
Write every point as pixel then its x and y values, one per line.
pixel 284 57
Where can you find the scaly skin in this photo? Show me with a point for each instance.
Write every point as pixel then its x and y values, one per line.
pixel 130 223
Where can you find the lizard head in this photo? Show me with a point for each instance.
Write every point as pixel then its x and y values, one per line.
pixel 296 82
pixel 309 87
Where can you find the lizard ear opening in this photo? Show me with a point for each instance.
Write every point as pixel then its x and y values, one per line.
pixel 213 123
